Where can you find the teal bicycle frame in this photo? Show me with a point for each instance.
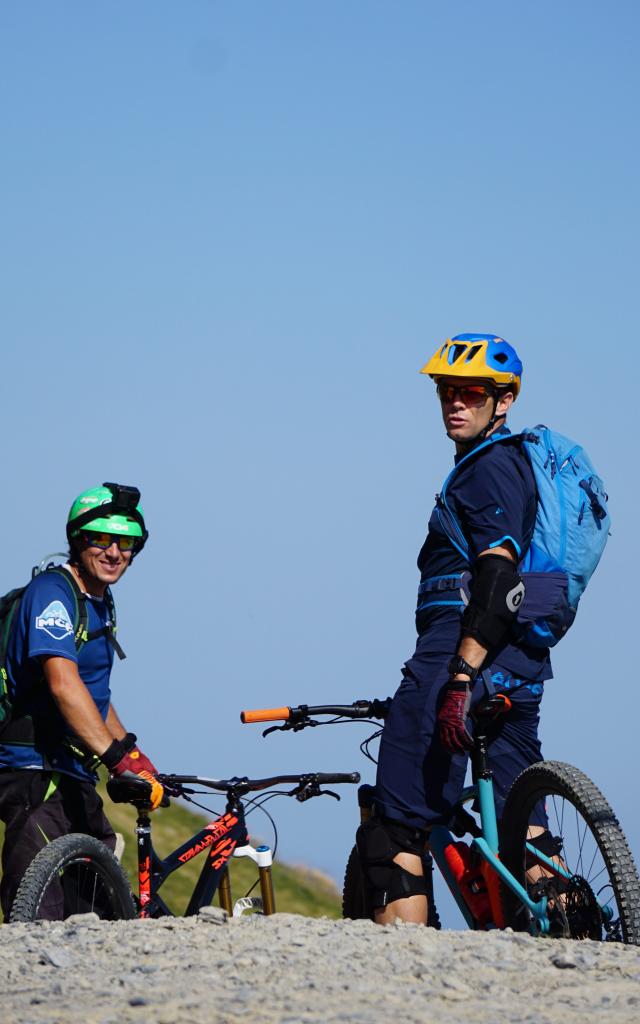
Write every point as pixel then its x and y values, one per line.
pixel 488 845
pixel 485 837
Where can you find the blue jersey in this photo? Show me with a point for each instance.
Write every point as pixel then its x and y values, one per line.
pixel 45 626
pixel 494 499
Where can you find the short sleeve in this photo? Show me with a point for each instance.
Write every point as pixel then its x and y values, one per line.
pixel 48 610
pixel 498 502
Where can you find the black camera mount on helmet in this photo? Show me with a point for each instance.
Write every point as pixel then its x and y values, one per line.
pixel 124 502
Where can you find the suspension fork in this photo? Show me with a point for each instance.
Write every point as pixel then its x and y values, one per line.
pixel 224 892
pixel 262 858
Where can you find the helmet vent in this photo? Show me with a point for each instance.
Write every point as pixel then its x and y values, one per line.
pixel 455 353
pixel 472 352
pixel 501 357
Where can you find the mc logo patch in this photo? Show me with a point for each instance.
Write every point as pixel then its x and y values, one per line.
pixel 55 621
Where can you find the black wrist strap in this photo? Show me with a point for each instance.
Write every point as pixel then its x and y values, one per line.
pixel 129 741
pixel 114 753
pixel 459 665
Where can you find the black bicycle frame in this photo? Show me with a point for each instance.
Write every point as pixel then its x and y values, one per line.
pixel 220 838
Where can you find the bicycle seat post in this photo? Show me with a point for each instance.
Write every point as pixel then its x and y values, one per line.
pixel 143 844
pixel 481 769
pixel 483 777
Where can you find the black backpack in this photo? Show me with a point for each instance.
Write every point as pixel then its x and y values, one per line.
pixel 9 605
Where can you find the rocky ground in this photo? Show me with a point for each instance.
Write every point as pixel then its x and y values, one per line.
pixel 292 970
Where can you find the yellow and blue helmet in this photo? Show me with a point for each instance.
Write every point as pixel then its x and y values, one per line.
pixel 483 356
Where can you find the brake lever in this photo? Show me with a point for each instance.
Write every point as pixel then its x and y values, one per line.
pixel 173 788
pixel 291 726
pixel 309 790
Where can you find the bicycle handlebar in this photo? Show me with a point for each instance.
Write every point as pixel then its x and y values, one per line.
pixel 304 714
pixel 246 785
pixel 295 715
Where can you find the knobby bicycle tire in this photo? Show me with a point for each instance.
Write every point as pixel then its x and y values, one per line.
pixel 74 874
pixel 594 849
pixel 355 902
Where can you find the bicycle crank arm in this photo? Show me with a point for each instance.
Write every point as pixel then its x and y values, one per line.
pixel 560 871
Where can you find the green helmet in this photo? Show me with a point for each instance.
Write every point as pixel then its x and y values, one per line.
pixel 112 508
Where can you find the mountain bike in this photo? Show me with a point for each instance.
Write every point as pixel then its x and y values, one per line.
pixel 575 879
pixel 78 874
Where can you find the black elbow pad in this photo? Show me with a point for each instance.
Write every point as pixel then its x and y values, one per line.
pixel 497 592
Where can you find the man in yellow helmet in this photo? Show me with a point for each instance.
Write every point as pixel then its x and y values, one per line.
pixel 468 598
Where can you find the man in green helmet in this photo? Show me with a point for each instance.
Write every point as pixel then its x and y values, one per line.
pixel 57 671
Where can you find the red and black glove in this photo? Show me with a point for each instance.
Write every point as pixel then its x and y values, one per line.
pixel 124 756
pixel 452 717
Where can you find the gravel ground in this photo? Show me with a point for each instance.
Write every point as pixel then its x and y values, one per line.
pixel 293 970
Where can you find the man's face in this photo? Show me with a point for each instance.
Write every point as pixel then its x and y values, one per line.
pixel 468 408
pixel 105 565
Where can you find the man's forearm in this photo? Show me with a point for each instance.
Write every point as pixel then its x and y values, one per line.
pixel 472 652
pixel 76 705
pixel 114 725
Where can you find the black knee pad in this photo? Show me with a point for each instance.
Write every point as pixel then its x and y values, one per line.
pixel 378 841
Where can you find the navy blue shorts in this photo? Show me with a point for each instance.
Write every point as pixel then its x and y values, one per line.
pixel 418 782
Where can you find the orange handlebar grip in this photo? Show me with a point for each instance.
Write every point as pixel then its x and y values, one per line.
pixel 265 715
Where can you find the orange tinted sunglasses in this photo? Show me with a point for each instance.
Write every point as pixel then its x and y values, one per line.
pixel 469 393
pixel 105 540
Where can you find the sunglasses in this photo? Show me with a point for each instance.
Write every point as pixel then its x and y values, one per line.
pixel 105 540
pixel 469 393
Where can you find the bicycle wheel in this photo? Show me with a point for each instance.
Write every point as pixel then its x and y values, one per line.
pixel 602 899
pixel 75 874
pixel 355 902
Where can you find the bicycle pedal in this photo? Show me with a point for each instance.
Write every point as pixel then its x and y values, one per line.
pixel 247 903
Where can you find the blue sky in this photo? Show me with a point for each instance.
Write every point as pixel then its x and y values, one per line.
pixel 231 235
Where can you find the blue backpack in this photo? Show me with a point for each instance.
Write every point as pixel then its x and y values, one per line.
pixel 570 533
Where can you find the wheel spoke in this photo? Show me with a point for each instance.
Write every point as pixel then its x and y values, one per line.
pixel 93 896
pixel 601 900
pixel 588 874
pixel 73 874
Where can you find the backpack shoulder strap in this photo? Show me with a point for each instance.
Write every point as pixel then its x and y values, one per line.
pixel 448 519
pixel 112 629
pixel 80 613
